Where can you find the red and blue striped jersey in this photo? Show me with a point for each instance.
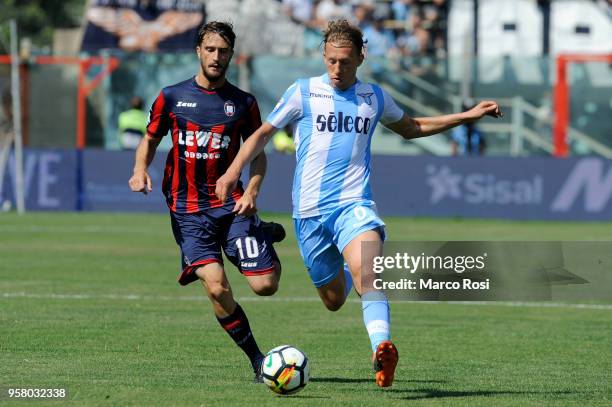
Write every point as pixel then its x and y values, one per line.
pixel 206 128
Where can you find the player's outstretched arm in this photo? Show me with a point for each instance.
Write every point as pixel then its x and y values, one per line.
pixel 252 147
pixel 145 152
pixel 410 128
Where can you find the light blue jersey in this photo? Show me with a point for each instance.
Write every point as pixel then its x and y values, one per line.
pixel 332 132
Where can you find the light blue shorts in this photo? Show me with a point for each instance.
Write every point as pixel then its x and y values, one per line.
pixel 323 238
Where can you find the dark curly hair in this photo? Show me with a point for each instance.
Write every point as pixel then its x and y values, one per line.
pixel 342 31
pixel 225 30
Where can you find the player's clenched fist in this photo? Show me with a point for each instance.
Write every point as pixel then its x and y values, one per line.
pixel 484 108
pixel 140 182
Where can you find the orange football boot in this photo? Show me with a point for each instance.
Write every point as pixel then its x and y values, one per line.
pixel 384 360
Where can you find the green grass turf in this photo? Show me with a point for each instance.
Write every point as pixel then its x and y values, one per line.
pixel 90 302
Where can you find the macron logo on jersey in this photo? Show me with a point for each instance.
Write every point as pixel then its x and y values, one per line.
pixel 343 123
pixel 185 104
pixel 321 95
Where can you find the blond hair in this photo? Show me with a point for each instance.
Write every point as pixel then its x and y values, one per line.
pixel 341 31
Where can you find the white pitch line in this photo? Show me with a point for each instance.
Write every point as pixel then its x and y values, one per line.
pixel 137 297
pixel 23 229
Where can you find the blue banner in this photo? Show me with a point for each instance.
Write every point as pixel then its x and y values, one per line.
pixel 50 180
pixel 505 188
pixel 106 175
pixel 502 187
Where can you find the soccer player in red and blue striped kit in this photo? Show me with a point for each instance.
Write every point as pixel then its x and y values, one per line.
pixel 207 117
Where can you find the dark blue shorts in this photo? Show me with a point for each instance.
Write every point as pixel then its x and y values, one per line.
pixel 201 236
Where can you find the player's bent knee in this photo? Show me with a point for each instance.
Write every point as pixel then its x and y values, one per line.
pixel 266 287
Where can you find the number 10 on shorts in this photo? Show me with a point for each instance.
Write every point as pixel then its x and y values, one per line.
pixel 247 246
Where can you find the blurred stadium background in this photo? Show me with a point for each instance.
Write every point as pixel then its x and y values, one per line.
pixel 548 63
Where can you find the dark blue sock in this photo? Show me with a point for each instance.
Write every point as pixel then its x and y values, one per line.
pixel 238 328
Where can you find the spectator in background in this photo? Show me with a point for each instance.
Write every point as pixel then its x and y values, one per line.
pixel 467 139
pixel 132 124
pixel 380 45
pixel 380 41
pixel 6 113
pixel 6 139
pixel 422 34
pixel 402 9
pixel 363 15
pixel 434 21
pixel 381 9
pixel 328 10
pixel 415 48
pixel 300 11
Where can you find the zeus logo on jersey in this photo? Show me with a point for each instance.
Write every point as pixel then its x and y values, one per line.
pixel 186 104
pixel 202 138
pixel 343 123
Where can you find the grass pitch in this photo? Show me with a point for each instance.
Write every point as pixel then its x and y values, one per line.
pixel 90 302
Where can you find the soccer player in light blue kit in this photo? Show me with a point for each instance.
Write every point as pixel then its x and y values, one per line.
pixel 334 117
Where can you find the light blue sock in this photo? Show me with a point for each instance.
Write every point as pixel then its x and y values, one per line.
pixel 348 281
pixel 376 317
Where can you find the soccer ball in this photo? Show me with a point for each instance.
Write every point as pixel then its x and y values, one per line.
pixel 286 370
